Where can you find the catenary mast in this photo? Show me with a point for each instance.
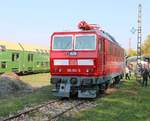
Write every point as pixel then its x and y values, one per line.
pixel 139 39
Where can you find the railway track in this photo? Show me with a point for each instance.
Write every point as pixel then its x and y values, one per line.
pixel 49 111
pixel 27 111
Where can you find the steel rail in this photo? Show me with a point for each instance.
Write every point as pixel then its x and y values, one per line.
pixel 63 112
pixel 28 111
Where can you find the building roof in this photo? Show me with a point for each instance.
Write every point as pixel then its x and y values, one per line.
pixel 19 46
pixel 10 45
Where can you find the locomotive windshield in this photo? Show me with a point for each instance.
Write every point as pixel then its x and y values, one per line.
pixel 81 42
pixel 85 42
pixel 62 43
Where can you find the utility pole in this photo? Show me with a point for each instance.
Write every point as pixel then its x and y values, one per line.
pixel 139 39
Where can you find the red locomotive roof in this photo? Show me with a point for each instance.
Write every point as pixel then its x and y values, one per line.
pixel 73 32
pixel 86 28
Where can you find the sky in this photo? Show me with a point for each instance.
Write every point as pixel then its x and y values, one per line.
pixel 33 21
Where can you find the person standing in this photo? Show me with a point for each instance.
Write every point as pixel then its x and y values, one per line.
pixel 130 67
pixel 145 75
pixel 127 73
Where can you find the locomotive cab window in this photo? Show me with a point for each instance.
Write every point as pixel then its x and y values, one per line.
pixel 62 43
pixel 85 42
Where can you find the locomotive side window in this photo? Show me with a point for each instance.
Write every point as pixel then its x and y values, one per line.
pixel 85 42
pixel 115 51
pixel 110 49
pixel 101 45
pixel 62 43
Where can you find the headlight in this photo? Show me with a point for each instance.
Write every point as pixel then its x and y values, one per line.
pixel 57 70
pixel 89 70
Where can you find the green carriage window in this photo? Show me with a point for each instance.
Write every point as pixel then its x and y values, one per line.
pixel 38 63
pixel 15 56
pixel 30 57
pixel 47 64
pixel 3 65
pixel 42 64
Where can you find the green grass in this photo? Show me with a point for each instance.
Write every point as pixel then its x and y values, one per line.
pixel 37 80
pixel 130 102
pixel 14 102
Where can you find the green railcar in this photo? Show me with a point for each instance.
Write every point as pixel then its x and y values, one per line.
pixel 21 58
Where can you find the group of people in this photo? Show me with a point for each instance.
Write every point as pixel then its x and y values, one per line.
pixel 144 71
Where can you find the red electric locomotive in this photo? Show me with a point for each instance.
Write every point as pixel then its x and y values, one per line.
pixel 84 63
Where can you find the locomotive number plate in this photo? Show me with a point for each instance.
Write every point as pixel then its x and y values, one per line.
pixel 72 70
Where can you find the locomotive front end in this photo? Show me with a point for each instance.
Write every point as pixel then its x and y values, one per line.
pixel 73 61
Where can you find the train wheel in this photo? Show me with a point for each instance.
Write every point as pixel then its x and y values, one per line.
pixel 112 82
pixel 102 88
pixel 107 85
pixel 117 80
pixel 121 76
pixel 74 92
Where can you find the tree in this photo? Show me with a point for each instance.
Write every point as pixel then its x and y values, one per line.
pixel 146 46
pixel 132 52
